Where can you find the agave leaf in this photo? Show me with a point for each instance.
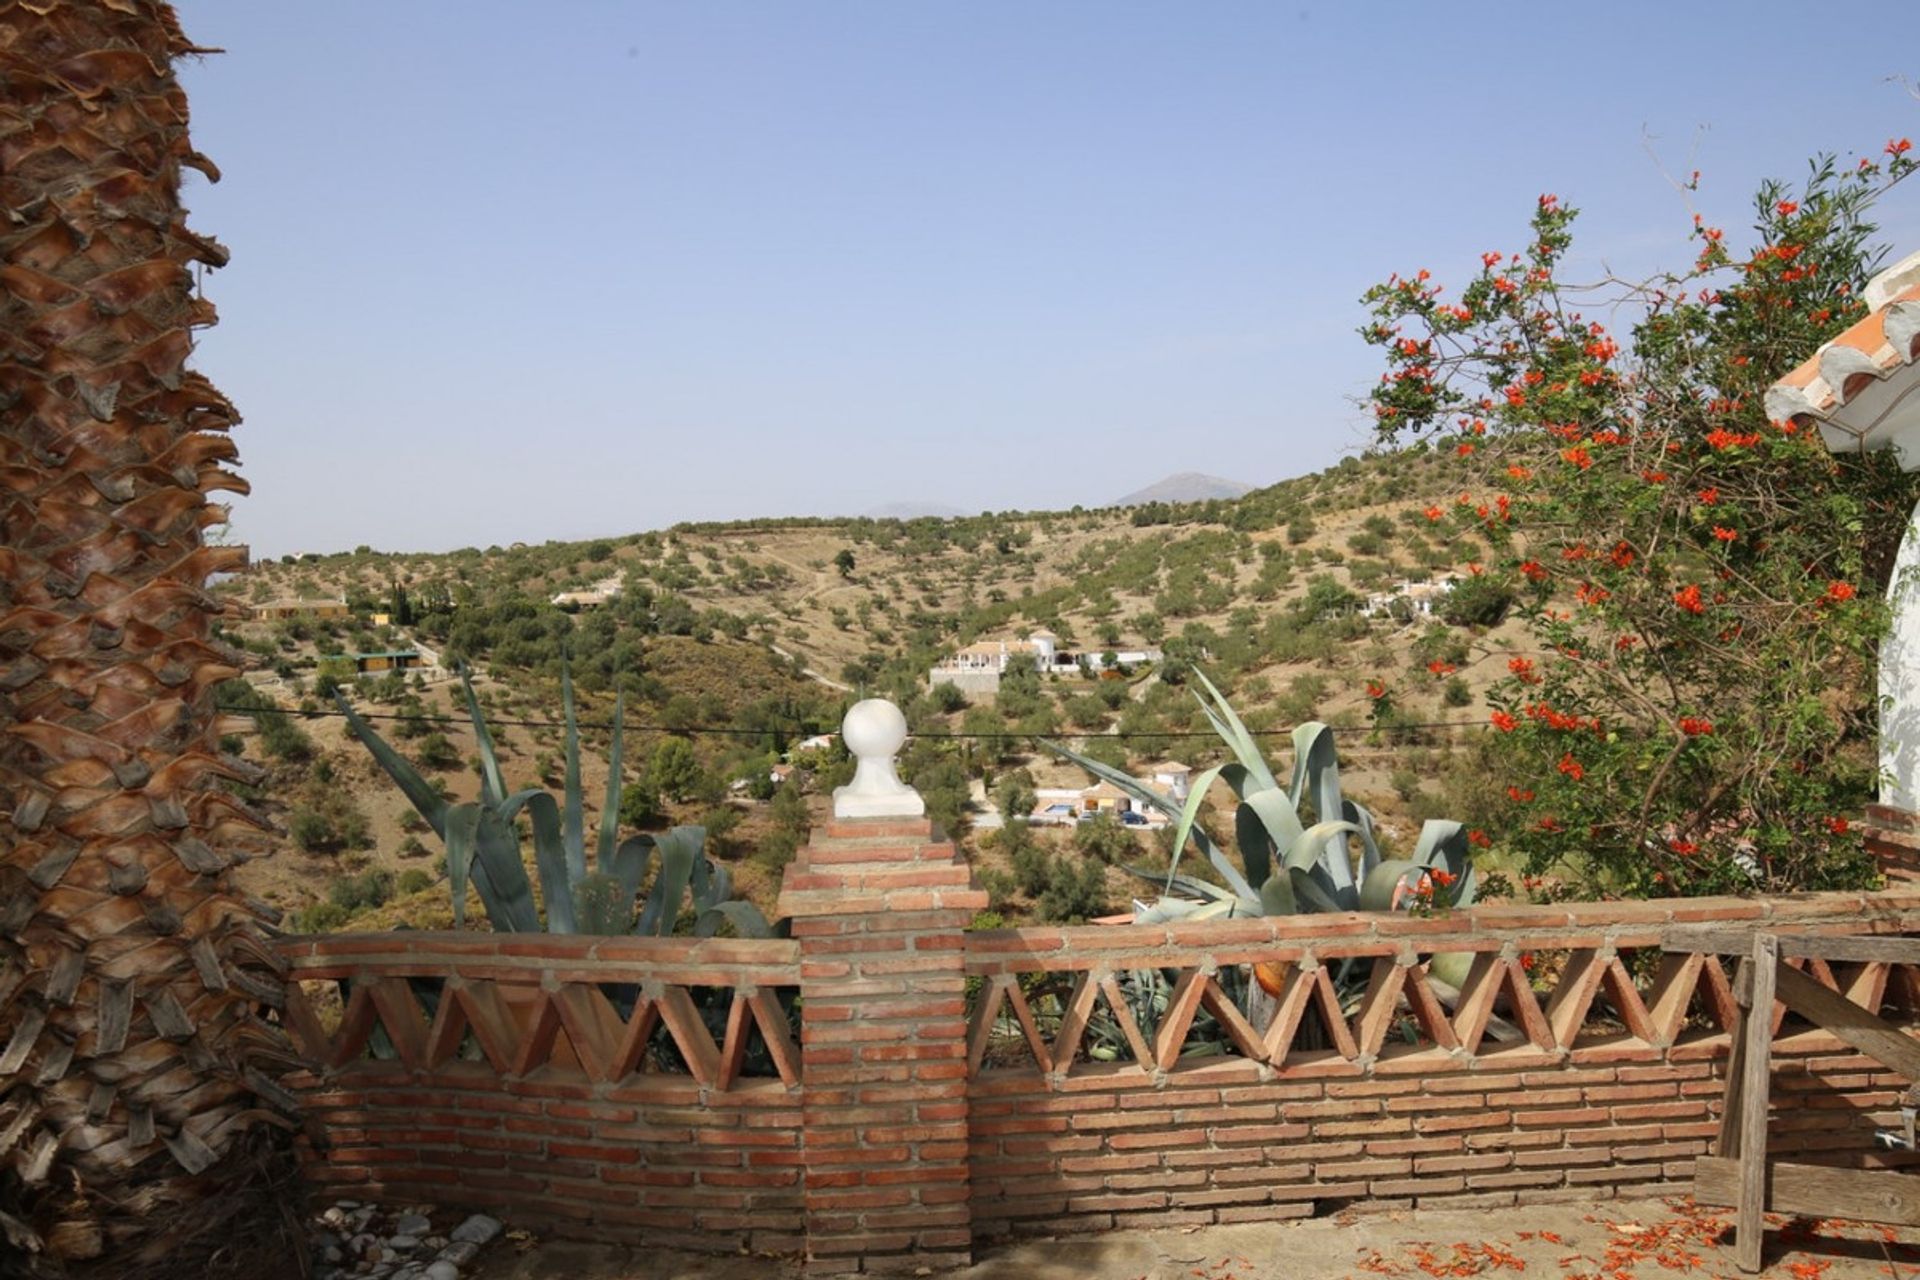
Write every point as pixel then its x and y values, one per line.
pixel 1276 895
pixel 575 811
pixel 1196 796
pixel 550 855
pixel 1309 892
pixel 1316 770
pixel 1362 817
pixel 1277 816
pixel 493 786
pixel 1184 884
pixel 745 918
pixel 1237 777
pixel 679 851
pixel 719 886
pixel 1168 910
pixel 1315 845
pixel 421 794
pixel 501 877
pixel 599 905
pixel 629 865
pixel 461 834
pixel 1230 873
pixel 1443 845
pixel 1377 893
pixel 610 812
pixel 1229 726
pixel 1250 837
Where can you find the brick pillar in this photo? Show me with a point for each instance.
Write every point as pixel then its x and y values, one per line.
pixel 878 905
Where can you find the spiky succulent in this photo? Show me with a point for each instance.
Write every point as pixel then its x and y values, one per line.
pixel 1287 864
pixel 482 839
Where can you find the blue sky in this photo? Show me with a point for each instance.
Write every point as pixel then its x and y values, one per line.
pixel 511 272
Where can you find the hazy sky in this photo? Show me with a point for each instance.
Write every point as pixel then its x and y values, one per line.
pixel 510 272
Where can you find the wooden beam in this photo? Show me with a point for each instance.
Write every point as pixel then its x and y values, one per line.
pixel 1862 1195
pixel 1749 1222
pixel 1833 1012
pixel 1738 942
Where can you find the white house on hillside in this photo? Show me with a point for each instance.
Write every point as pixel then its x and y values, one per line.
pixel 977 668
pixel 1420 598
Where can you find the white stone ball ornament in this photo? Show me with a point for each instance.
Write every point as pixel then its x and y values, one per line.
pixel 874 731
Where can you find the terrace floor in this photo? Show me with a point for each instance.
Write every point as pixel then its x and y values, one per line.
pixel 1603 1240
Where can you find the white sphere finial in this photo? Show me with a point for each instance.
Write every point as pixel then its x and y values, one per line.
pixel 874 731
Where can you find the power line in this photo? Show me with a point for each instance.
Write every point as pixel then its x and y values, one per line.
pixel 811 729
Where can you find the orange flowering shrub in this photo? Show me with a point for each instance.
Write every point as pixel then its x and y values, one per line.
pixel 1704 586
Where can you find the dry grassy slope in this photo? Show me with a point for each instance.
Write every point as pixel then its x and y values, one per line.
pixel 292 879
pixel 784 581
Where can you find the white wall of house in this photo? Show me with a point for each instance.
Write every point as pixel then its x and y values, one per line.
pixel 1900 680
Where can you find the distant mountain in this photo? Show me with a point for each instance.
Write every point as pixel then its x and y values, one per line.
pixel 913 511
pixel 1188 486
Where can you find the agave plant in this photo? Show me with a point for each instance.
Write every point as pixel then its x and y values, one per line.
pixel 482 839
pixel 1287 864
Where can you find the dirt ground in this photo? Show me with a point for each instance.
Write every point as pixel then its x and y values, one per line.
pixel 1605 1240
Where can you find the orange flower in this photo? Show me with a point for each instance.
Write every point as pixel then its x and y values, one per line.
pixel 1478 838
pixel 1433 513
pixel 1533 570
pixel 1838 592
pixel 1518 796
pixel 1786 208
pixel 1523 667
pixel 1376 690
pixel 1571 767
pixel 1654 477
pixel 1504 722
pixel 1724 534
pixel 1899 146
pixel 1695 727
pixel 1578 456
pixel 1444 878
pixel 1489 259
pixel 1520 473
pixel 1688 598
pixel 1683 847
pixel 1708 497
pixel 1839 826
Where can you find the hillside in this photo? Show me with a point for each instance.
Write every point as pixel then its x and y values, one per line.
pixel 742 638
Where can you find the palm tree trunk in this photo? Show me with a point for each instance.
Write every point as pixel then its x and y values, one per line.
pixel 136 1064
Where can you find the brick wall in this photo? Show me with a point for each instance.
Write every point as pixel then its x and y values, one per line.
pixel 1893 838
pixel 933 1088
pixel 1613 1083
pixel 594 1087
pixel 1218 1143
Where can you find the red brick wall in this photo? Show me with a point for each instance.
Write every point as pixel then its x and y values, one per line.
pixel 655 1163
pixel 1216 1143
pixel 564 1123
pixel 887 1139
